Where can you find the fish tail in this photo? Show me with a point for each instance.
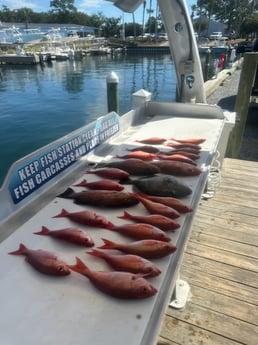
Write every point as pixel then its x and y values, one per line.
pixel 107 244
pixel 126 215
pixel 67 194
pixel 80 267
pixel 81 184
pixel 63 213
pixel 98 253
pixel 44 231
pixel 22 250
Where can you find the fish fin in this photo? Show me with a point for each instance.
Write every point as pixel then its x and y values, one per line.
pixel 44 231
pixel 83 183
pixel 95 252
pixel 22 249
pixel 126 215
pixel 67 194
pixel 79 267
pixel 107 244
pixel 63 213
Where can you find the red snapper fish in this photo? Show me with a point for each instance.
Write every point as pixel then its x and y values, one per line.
pixel 177 145
pixel 100 198
pixel 134 166
pixel 162 222
pixel 152 141
pixel 123 285
pixel 157 208
pixel 177 168
pixel 142 231
pixel 195 141
pixel 145 156
pixel 43 261
pixel 86 218
pixel 148 249
pixel 104 184
pixel 128 263
pixel 177 204
pixel 72 235
pixel 176 157
pixel 109 173
pixel 188 152
pixel 145 148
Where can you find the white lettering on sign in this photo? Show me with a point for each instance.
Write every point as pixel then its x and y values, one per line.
pixel 47 165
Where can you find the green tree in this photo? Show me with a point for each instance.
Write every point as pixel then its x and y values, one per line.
pixel 63 10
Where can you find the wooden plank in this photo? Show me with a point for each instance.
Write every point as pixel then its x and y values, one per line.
pixel 221 263
pixel 232 246
pixel 214 322
pixel 222 256
pixel 200 277
pixel 224 304
pixel 228 214
pixel 243 233
pixel 221 269
pixel 185 333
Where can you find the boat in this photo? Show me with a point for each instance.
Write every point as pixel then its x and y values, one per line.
pixel 29 35
pixel 100 50
pixel 19 58
pixel 10 34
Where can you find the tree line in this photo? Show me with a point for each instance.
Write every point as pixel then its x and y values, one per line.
pixel 65 12
pixel 239 16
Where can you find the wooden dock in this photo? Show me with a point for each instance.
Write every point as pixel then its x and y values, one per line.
pixel 221 265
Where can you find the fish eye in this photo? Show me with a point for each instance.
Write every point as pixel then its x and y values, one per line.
pixel 60 268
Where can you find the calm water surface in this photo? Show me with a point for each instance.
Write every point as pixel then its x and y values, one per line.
pixel 42 103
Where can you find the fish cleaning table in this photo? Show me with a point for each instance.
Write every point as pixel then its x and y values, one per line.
pixel 40 309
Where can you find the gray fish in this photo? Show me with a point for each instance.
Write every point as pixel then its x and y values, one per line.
pixel 162 185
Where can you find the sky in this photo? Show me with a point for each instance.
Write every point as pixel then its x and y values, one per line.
pixel 90 7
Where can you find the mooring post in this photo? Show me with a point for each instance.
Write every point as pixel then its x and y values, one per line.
pixel 112 92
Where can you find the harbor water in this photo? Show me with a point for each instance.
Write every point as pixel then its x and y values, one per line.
pixel 42 103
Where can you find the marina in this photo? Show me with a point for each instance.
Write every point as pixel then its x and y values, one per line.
pixel 205 286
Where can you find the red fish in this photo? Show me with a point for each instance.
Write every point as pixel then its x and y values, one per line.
pixel 177 168
pixel 145 156
pixel 111 173
pixel 195 141
pixel 148 249
pixel 170 201
pixel 162 222
pixel 152 141
pixel 157 208
pixel 117 284
pixel 43 261
pixel 73 235
pixel 102 184
pixel 128 263
pixel 178 145
pixel 86 218
pixel 145 148
pixel 188 152
pixel 142 231
pixel 135 166
pixel 100 198
pixel 176 157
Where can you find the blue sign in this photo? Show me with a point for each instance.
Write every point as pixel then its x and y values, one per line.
pixel 41 168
